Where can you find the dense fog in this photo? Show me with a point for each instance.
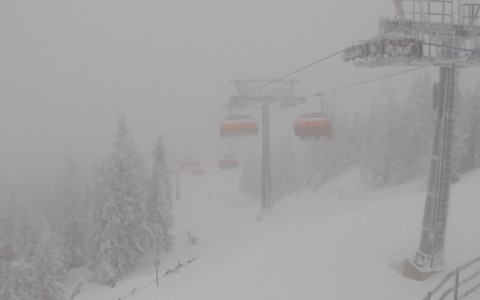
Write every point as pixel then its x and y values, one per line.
pixel 71 69
pixel 89 90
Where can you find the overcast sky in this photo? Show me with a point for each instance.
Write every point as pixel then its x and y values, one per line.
pixel 70 69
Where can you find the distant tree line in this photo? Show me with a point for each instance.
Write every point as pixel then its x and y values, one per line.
pixel 108 225
pixel 390 145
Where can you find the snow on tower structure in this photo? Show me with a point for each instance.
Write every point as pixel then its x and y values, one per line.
pixel 444 33
pixel 424 32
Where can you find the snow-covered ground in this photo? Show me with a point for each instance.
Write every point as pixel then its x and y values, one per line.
pixel 342 242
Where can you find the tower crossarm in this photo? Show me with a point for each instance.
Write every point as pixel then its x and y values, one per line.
pixel 407 42
pixel 424 32
pixel 254 93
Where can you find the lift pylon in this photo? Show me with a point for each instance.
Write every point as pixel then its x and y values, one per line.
pixel 444 33
pixel 263 93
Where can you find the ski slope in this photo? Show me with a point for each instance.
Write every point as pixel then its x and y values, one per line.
pixel 342 242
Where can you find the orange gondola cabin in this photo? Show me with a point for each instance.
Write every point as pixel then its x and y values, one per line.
pixel 190 163
pixel 228 162
pixel 238 125
pixel 313 126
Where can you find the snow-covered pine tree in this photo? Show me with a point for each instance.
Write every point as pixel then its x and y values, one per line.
pixel 7 218
pixel 461 136
pixel 121 233
pixel 98 234
pixel 380 158
pixel 371 165
pixel 6 251
pixel 285 179
pixel 5 289
pixel 24 238
pixel 325 158
pixel 416 130
pixel 37 264
pixel 251 175
pixel 467 128
pixel 75 226
pixel 390 155
pixel 48 266
pixel 345 142
pixel 320 162
pixel 24 232
pixel 475 129
pixel 356 142
pixel 159 200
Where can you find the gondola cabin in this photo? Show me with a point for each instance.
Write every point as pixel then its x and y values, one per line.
pixel 228 162
pixel 313 126
pixel 238 125
pixel 190 163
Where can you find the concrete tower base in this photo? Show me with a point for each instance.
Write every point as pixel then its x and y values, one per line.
pixel 412 271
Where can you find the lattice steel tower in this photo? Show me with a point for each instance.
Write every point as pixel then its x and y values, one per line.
pixel 262 93
pixel 444 33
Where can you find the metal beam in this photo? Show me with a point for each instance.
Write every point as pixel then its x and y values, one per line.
pixel 267 195
pixel 430 253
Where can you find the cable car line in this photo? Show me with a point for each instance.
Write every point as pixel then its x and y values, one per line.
pixel 333 90
pixel 453 48
pixel 273 81
pixel 315 126
pixel 368 81
pixel 323 93
pixel 316 94
pixel 294 72
pixel 215 117
pixel 357 84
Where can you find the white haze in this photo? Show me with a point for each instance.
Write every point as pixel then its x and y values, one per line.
pixel 69 69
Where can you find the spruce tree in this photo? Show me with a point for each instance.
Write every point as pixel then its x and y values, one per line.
pixel 251 175
pixel 48 265
pixel 381 157
pixel 121 234
pixel 7 219
pixel 75 227
pixel 5 287
pixel 466 138
pixel 328 157
pixel 372 165
pixel 6 248
pixel 284 168
pixel 159 201
pixel 416 129
pixel 37 264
